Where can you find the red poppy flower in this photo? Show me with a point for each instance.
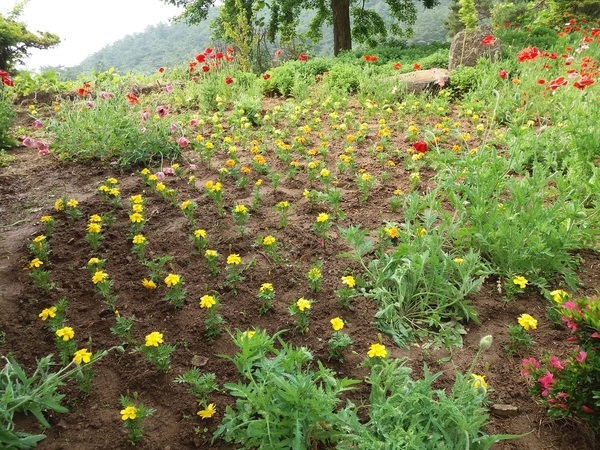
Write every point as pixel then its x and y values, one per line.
pixel 370 58
pixel 5 80
pixel 205 68
pixel 488 40
pixel 201 57
pixel 228 57
pixel 503 74
pixel 219 55
pixel 584 81
pixel 161 70
pixel 420 146
pixel 541 81
pixel 82 92
pixel 228 80
pixel 230 50
pixel 528 53
pixel 555 84
pixel 278 53
pixel 397 66
pixel 132 98
pixel 266 76
pixel 208 50
pixel 416 66
pixel 302 57
pixel 194 79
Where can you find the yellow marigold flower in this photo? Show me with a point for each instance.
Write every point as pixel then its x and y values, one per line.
pixel 59 204
pixel 415 176
pixel 66 333
pixel 258 182
pixel 322 217
pixel 207 413
pixel 154 339
pixel 35 262
pixel 185 205
pixel 458 261
pixel 349 281
pixel 99 277
pixel 245 170
pixel 216 187
pixel 365 177
pixel 114 192
pixel 199 233
pixel 520 281
pixel 234 258
pixel 337 324
pixel 137 208
pixel 160 187
pixel 269 240
pixel 211 253
pixel 93 261
pixel 230 162
pixel 148 284
pixel 207 301
pixel 94 228
pixel 72 203
pixel 266 288
pixel 422 232
pixel 95 218
pixel 377 351
pixel 559 296
pixel 145 171
pixel 129 413
pixel 153 177
pixel 82 356
pixel 259 159
pixel 46 219
pixel 249 334
pixel 39 238
pixel 283 204
pixel 479 381
pixel 240 209
pixel 136 218
pixel 392 232
pixel 136 199
pixel 527 322
pixel 303 304
pixel 139 239
pixel 314 273
pixel 325 173
pixel 48 312
pixel 172 280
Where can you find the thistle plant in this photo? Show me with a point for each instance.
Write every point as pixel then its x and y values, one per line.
pixel 322 225
pixel 283 208
pixel 103 286
pixel 348 292
pixel 176 294
pixel 157 352
pixel 199 384
pixel 213 320
pixel 94 232
pixel 315 277
pixel 211 257
pixel 339 340
pixel 300 309
pixel 235 271
pixel 198 237
pixel 188 208
pixel 48 222
pixel 240 215
pixel 132 414
pixel 140 243
pixel 266 294
pixel 214 190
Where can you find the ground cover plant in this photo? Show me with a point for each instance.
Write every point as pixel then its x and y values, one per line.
pixel 308 258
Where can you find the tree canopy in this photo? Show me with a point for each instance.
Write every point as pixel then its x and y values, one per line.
pixel 358 20
pixel 16 39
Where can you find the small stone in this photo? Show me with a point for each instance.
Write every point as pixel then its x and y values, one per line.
pixel 502 410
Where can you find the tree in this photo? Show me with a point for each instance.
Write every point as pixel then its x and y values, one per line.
pixel 367 24
pixel 16 40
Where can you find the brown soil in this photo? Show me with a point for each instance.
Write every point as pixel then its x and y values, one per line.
pixel 28 189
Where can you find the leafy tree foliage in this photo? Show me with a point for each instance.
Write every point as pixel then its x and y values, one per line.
pixel 351 19
pixel 16 40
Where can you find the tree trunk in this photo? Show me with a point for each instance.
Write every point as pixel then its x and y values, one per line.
pixel 342 38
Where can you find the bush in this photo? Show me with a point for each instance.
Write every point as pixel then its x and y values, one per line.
pixel 7 116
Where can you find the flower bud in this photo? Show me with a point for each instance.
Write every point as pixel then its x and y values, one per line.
pixel 485 342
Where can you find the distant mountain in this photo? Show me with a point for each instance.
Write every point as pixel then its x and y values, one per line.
pixel 172 44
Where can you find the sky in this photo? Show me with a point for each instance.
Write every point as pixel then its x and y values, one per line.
pixel 86 26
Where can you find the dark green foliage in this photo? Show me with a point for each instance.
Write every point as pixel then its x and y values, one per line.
pixel 6 119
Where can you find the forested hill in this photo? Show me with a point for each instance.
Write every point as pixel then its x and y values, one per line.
pixel 170 44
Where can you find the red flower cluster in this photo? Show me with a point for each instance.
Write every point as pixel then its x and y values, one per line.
pixel 421 146
pixel 83 91
pixel 5 80
pixel 488 40
pixel 528 53
pixel 302 57
pixel 209 54
pixel 132 98
pixel 370 58
pixel 584 81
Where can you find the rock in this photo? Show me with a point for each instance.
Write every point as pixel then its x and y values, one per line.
pixel 466 50
pixel 420 80
pixel 502 410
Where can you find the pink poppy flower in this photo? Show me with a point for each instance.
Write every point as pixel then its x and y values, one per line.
pixel 37 124
pixel 106 95
pixel 169 171
pixel 172 128
pixel 29 142
pixel 160 176
pixel 162 111
pixel 145 115
pixel 183 142
pixel 194 122
pixel 43 148
pixel 192 167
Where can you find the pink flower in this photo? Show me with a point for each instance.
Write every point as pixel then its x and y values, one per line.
pixel 169 171
pixel 43 148
pixel 582 356
pixel 29 142
pixel 172 128
pixel 587 409
pixel 569 323
pixel 106 95
pixel 529 364
pixel 183 142
pixel 546 381
pixel 192 167
pixel 555 362
pixel 160 176
pixel 37 124
pixel 595 335
pixel 162 111
pixel 169 88
pixel 145 115
pixel 194 122
pixel 89 104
